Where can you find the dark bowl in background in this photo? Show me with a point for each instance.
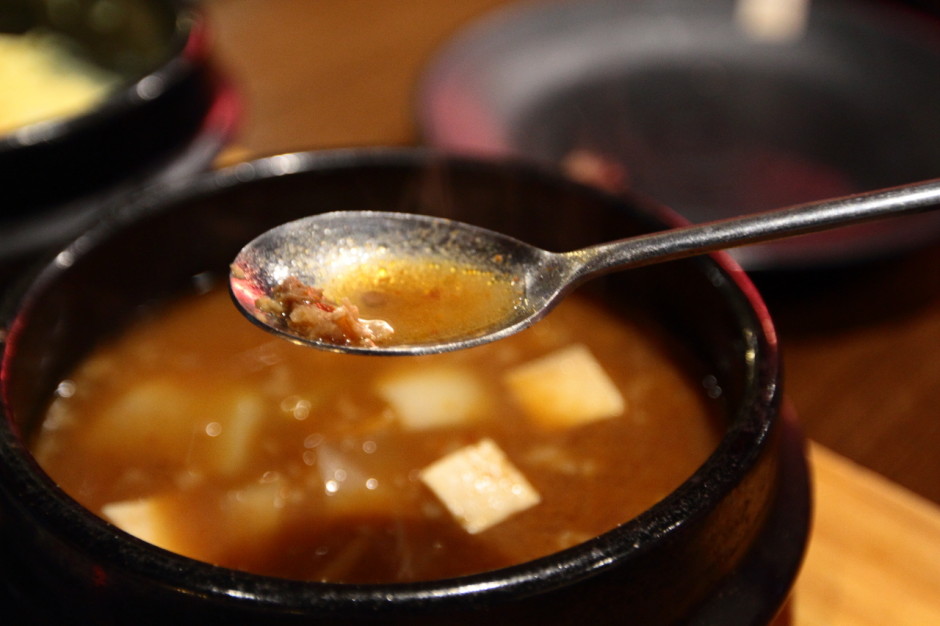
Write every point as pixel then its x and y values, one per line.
pixel 704 117
pixel 170 115
pixel 723 548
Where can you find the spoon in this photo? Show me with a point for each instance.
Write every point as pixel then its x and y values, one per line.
pixel 316 249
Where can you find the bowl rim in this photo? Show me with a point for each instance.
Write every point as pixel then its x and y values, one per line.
pixel 750 429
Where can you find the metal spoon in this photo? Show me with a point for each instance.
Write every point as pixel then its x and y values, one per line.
pixel 315 248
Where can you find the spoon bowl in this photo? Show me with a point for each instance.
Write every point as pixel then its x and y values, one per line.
pixel 317 248
pixel 320 249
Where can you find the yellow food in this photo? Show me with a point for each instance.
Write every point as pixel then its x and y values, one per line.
pixel 40 80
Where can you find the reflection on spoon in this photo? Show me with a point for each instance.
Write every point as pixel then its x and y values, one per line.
pixel 442 285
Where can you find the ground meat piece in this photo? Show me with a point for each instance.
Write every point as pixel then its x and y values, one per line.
pixel 305 311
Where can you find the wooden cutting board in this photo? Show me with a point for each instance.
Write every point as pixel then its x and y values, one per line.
pixel 874 553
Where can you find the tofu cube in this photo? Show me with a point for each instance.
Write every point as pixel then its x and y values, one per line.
pixel 149 519
pixel 565 388
pixel 233 436
pixel 351 490
pixel 163 422
pixel 479 486
pixel 434 397
pixel 153 416
pixel 248 515
pixel 202 528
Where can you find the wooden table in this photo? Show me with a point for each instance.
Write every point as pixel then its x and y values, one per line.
pixel 861 347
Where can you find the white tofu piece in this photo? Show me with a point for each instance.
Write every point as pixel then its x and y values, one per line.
pixel 153 416
pixel 479 486
pixel 349 489
pixel 251 513
pixel 146 518
pixel 240 415
pixel 163 422
pixel 202 528
pixel 434 397
pixel 565 388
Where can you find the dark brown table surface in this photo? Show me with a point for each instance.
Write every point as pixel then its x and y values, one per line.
pixel 861 345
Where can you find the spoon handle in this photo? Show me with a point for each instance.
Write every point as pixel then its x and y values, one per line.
pixel 800 219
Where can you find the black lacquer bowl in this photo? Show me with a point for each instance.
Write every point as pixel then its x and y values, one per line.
pixel 168 115
pixel 723 548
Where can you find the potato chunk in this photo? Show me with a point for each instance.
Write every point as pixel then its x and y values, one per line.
pixel 479 486
pixel 565 388
pixel 434 397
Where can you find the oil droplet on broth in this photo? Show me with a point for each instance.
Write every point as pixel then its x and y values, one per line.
pixel 427 300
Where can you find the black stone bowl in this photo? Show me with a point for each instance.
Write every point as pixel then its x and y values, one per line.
pixel 723 548
pixel 170 113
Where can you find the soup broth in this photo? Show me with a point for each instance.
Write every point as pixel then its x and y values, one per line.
pixel 203 434
pixel 393 301
pixel 427 300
